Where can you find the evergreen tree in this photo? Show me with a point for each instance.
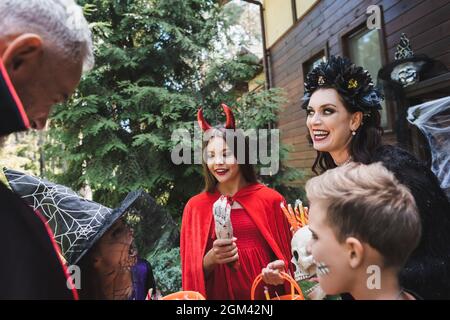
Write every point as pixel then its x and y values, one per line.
pixel 155 64
pixel 157 61
pixel 115 133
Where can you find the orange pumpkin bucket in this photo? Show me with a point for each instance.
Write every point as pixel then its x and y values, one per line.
pixel 184 295
pixel 285 276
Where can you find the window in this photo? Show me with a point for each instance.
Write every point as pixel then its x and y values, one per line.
pixel 364 50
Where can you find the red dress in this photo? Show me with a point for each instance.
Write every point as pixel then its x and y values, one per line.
pixel 226 283
pixel 262 205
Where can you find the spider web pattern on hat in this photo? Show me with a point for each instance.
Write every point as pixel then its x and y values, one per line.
pixel 76 222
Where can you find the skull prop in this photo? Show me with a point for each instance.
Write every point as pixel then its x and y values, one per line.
pixel 302 260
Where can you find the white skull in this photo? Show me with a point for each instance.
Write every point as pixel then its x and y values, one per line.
pixel 305 268
pixel 302 260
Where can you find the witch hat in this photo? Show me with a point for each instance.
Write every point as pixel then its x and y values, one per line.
pixel 407 68
pixel 77 223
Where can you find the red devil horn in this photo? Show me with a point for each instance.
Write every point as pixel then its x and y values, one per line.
pixel 201 120
pixel 230 124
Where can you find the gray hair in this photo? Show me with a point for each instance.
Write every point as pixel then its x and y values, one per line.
pixel 60 22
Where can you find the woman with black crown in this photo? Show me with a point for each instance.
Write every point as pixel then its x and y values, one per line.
pixel 343 120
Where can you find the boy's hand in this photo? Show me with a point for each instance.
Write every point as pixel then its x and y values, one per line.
pixel 271 273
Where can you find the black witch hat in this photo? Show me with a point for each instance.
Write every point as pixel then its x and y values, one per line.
pixel 77 223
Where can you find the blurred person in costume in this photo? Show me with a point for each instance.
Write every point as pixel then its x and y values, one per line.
pixel 42 56
pixel 97 239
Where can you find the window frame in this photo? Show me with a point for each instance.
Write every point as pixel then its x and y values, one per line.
pixel 356 28
pixel 322 51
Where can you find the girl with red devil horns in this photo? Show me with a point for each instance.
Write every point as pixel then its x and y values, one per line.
pixel 235 227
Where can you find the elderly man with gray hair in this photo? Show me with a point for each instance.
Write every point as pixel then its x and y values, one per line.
pixel 45 45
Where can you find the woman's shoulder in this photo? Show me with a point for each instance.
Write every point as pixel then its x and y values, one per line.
pixel 411 295
pixel 394 157
pixel 391 152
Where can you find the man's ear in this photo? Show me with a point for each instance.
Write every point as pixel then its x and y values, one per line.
pixel 356 120
pixel 22 54
pixel 355 251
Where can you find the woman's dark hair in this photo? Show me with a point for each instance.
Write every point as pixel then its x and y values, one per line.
pixel 247 169
pixel 357 92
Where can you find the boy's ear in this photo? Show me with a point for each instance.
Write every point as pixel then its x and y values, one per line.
pixel 355 251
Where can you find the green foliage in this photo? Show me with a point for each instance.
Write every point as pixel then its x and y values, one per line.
pixel 154 66
pixel 115 132
pixel 259 110
pixel 22 151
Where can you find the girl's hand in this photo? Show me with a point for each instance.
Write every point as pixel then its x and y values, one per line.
pixel 223 251
pixel 271 273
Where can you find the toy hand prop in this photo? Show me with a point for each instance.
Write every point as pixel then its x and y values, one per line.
pixel 222 220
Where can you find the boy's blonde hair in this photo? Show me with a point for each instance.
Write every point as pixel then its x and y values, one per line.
pixel 367 202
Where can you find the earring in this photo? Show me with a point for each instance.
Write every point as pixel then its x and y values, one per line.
pixel 353 133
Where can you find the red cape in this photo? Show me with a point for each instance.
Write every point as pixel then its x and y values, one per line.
pixel 263 206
